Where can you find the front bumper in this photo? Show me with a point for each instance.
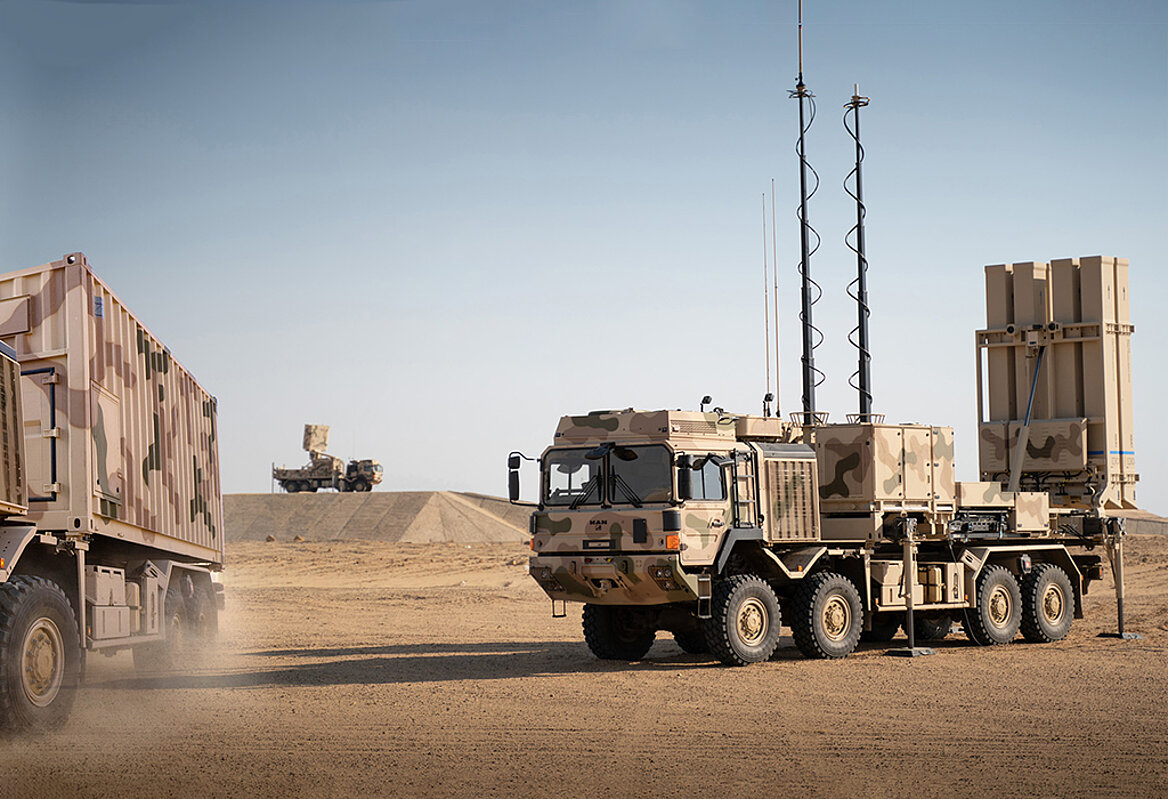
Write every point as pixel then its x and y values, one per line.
pixel 613 578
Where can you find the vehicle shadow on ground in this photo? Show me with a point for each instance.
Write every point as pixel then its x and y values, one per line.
pixel 442 662
pixel 413 663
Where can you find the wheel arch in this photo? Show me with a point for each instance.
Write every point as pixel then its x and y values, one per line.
pixel 25 552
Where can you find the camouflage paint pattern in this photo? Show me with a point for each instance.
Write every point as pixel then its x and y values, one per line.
pixel 703 524
pixel 619 579
pixel 135 435
pixel 1030 509
pixel 1031 512
pixel 1055 445
pixel 983 495
pixel 679 427
pixel 596 530
pixel 1081 445
pixel 861 463
pixel 316 438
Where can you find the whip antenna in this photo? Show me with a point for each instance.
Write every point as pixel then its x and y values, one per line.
pixel 858 288
pixel 766 303
pixel 810 291
pixel 775 275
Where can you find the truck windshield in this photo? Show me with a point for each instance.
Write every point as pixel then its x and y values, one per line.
pixel 640 474
pixel 571 479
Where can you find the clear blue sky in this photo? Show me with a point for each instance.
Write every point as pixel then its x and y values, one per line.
pixel 437 226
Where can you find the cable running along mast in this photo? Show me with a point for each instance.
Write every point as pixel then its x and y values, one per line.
pixel 858 288
pixel 810 290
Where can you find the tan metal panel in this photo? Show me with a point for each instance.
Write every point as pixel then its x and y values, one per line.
pixel 1066 357
pixel 1031 307
pixel 918 463
pixel 1000 362
pixel 1054 445
pixel 992 448
pixel 1122 333
pixel 944 474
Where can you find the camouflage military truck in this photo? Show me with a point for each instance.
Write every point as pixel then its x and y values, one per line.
pixel 326 471
pixel 719 528
pixel 111 523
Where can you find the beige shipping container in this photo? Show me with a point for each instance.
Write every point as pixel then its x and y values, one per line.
pixel 120 440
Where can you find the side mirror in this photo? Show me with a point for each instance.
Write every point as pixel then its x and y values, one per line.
pixel 513 484
pixel 684 477
pixel 513 461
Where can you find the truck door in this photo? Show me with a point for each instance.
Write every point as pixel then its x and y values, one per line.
pixel 704 519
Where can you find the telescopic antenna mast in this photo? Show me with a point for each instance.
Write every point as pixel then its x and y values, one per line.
pixel 810 290
pixel 858 288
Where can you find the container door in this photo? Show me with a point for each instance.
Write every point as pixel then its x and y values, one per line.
pixel 107 450
pixel 38 393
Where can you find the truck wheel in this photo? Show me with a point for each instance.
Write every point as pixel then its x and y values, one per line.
pixel 744 627
pixel 884 628
pixel 167 654
pixel 1048 604
pixel 40 655
pixel 827 616
pixel 998 614
pixel 360 484
pixel 692 641
pixel 930 627
pixel 617 633
pixel 203 619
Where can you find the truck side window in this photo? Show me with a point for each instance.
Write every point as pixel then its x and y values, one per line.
pixel 708 482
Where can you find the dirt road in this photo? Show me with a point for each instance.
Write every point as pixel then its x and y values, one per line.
pixel 362 668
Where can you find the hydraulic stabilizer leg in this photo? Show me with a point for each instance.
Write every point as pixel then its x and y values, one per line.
pixel 1114 544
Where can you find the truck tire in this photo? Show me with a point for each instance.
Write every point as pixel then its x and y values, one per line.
pixel 884 627
pixel 203 618
pixel 613 632
pixel 998 613
pixel 744 627
pixel 827 616
pixel 1048 604
pixel 692 641
pixel 932 627
pixel 40 655
pixel 360 484
pixel 167 654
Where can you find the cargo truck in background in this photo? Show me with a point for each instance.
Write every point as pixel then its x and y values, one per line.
pixel 109 491
pixel 324 470
pixel 719 528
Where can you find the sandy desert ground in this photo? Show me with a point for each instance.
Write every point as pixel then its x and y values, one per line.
pixel 376 669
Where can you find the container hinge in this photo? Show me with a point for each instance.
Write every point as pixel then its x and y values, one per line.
pixel 705 592
pixel 560 610
pixel 51 432
pixel 52 488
